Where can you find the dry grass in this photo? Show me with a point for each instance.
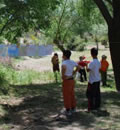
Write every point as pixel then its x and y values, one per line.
pixel 44 63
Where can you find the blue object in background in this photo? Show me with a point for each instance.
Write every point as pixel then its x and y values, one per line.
pixel 13 51
pixel 3 50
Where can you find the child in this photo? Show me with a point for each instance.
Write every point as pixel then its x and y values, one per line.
pixel 82 70
pixel 68 82
pixel 104 67
pixel 93 90
pixel 55 62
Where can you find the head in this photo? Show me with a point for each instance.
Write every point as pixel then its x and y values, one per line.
pixel 66 54
pixel 104 57
pixel 94 52
pixel 80 58
pixel 55 54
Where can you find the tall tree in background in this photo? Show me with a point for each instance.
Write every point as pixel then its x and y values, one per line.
pixel 67 22
pixel 62 22
pixel 111 14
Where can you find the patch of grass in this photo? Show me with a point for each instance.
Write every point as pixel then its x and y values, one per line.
pixel 5 127
pixel 9 76
pixel 45 99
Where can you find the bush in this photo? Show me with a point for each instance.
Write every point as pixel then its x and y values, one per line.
pixel 105 43
pixel 81 47
pixel 77 44
pixel 4 83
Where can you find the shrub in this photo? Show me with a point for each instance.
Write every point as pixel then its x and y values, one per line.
pixel 77 44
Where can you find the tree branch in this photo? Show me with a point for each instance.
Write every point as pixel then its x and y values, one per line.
pixel 58 44
pixel 4 26
pixel 104 11
pixel 59 22
pixel 68 28
pixel 9 21
pixel 57 40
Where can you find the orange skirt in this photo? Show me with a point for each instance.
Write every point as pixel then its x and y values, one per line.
pixel 69 94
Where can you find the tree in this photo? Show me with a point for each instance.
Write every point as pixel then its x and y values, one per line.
pixel 68 21
pixel 111 14
pixel 19 16
pixel 61 23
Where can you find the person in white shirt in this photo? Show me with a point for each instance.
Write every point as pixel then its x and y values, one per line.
pixel 93 90
pixel 68 84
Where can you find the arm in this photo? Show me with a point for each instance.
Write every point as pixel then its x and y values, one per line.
pixel 107 65
pixel 58 60
pixel 63 72
pixel 100 70
pixel 88 70
pixel 76 69
pixel 52 60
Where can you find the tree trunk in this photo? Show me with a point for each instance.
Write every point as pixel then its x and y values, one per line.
pixel 114 41
pixel 96 41
pixel 115 56
pixel 113 23
pixel 59 44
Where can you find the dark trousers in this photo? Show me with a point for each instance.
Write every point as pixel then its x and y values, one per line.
pixel 83 75
pixel 103 77
pixel 93 95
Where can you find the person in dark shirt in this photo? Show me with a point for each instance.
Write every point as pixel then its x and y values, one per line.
pixel 82 70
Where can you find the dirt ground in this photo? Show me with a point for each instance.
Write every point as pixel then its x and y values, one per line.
pixel 35 64
pixel 44 63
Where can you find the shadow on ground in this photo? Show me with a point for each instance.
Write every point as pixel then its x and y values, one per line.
pixel 43 102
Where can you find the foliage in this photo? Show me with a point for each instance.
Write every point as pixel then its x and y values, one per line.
pixel 19 16
pixel 9 76
pixel 77 44
pixel 71 19
pixel 47 20
pixel 4 88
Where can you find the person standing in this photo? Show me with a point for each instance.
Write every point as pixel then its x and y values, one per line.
pixel 103 70
pixel 68 83
pixel 93 89
pixel 55 63
pixel 82 70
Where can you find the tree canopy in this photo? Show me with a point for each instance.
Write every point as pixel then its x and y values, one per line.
pixel 19 16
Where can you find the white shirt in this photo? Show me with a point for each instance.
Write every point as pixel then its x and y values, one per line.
pixel 94 75
pixel 70 64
